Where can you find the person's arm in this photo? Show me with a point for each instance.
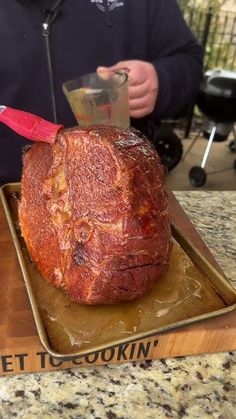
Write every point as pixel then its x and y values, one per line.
pixel 168 80
pixel 176 56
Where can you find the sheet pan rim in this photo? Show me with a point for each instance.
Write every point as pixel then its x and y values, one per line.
pixel 109 345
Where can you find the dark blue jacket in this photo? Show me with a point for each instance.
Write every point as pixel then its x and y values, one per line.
pixel 85 34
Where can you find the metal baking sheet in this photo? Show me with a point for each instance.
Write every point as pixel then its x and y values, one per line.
pixel 177 300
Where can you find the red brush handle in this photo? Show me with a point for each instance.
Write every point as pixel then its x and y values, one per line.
pixel 28 125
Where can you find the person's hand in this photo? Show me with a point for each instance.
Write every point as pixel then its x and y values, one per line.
pixel 143 86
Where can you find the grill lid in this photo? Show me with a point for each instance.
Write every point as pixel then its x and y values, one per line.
pixel 221 83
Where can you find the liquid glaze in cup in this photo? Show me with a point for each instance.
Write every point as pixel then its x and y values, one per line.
pixel 99 98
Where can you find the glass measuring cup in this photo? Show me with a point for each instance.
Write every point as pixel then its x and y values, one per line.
pixel 99 98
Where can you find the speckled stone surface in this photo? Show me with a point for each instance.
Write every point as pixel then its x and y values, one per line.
pixel 185 387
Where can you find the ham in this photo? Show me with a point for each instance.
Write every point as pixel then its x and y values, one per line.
pixel 94 213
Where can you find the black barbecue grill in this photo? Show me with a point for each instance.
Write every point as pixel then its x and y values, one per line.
pixel 217 101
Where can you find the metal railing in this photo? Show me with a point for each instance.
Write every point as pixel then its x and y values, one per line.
pixel 217 33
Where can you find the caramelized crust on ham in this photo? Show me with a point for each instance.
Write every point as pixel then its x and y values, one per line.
pixel 93 214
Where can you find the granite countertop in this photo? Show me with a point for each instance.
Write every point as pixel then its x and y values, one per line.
pixel 196 387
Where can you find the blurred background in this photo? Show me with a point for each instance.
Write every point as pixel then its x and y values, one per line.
pixel 205 156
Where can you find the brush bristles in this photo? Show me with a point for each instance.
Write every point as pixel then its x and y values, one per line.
pixel 45 131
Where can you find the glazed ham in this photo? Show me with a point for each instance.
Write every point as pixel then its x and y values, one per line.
pixel 93 213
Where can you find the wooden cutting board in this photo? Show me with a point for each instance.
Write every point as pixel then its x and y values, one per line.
pixel 20 348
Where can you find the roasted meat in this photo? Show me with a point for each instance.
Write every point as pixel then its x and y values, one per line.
pixel 94 215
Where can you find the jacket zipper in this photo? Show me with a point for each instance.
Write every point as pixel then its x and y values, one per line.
pixel 46 34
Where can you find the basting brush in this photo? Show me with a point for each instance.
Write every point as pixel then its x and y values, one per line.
pixel 29 125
